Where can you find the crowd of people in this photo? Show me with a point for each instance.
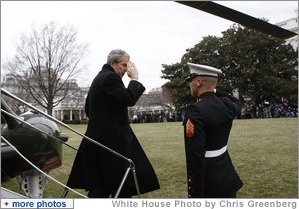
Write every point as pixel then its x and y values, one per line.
pixel 270 110
pixel 156 117
pixel 249 111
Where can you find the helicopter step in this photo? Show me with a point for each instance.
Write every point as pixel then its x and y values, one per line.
pixel 6 193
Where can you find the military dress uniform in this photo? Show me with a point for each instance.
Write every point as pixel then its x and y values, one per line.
pixel 207 124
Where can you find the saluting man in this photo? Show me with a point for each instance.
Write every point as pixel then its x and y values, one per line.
pixel 96 170
pixel 207 125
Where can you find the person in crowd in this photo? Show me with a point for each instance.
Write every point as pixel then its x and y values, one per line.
pixel 95 169
pixel 207 124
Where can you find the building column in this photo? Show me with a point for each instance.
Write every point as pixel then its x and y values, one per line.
pixel 61 114
pixel 71 115
pixel 80 114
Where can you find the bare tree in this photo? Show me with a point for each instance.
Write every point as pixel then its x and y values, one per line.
pixel 46 61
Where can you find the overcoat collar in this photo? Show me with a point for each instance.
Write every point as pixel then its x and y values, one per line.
pixel 107 67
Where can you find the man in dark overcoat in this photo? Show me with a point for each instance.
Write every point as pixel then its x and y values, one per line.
pixel 95 169
pixel 207 125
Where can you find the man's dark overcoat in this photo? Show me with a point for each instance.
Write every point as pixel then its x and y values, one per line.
pixel 106 107
pixel 207 125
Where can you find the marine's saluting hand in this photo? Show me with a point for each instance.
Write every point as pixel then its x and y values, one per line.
pixel 132 71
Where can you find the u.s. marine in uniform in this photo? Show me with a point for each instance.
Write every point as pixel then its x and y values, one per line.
pixel 207 124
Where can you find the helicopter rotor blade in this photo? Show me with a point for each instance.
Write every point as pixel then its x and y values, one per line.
pixel 241 18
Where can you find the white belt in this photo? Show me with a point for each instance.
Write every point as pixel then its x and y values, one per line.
pixel 216 153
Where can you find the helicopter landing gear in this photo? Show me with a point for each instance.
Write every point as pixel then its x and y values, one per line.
pixel 32 183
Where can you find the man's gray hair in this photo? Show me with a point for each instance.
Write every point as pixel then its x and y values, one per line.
pixel 115 55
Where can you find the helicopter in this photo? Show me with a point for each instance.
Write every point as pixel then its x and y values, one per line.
pixel 43 147
pixel 241 18
pixel 31 146
pixel 38 145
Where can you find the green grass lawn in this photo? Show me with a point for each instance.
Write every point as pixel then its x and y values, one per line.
pixel 264 152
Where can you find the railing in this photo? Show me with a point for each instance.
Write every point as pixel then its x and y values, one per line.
pixel 131 166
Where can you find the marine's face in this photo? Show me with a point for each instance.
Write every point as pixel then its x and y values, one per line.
pixel 121 67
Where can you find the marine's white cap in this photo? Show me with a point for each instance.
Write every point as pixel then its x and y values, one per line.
pixel 203 70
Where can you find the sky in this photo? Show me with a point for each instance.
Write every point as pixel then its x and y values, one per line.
pixel 152 32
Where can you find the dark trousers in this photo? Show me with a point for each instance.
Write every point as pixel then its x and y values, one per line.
pixel 103 193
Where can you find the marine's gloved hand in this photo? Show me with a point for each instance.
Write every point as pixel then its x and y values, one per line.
pixel 225 94
pixel 220 93
pixel 132 71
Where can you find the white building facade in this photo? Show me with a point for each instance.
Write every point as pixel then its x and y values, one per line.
pixel 292 25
